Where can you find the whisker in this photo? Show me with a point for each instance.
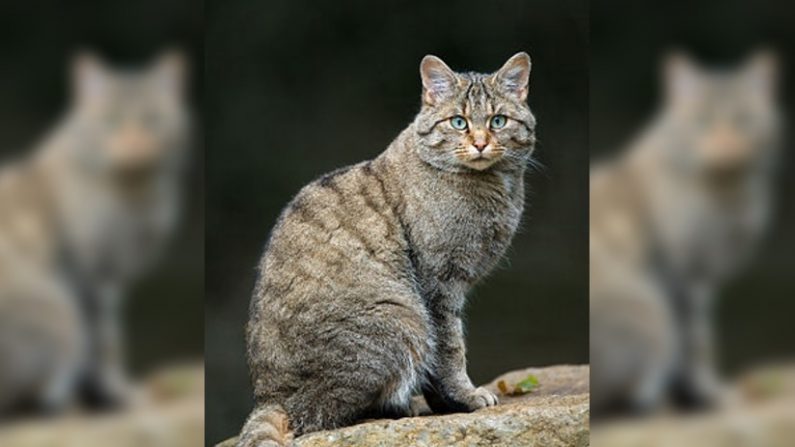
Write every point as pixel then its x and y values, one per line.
pixel 535 163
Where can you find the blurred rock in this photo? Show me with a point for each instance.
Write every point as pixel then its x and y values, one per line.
pixel 760 412
pixel 556 413
pixel 168 411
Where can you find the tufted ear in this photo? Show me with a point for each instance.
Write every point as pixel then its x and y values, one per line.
pixel 89 77
pixel 682 79
pixel 514 76
pixel 438 80
pixel 761 71
pixel 170 71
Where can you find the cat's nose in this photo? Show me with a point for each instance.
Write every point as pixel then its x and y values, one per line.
pixel 480 145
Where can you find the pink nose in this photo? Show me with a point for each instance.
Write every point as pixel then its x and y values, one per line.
pixel 480 145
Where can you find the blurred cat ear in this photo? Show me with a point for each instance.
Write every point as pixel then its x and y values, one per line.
pixel 761 70
pixel 438 80
pixel 680 76
pixel 169 71
pixel 89 76
pixel 514 76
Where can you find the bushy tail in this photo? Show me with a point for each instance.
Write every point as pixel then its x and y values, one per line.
pixel 267 426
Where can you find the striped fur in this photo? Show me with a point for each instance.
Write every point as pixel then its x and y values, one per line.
pixel 671 220
pixel 81 217
pixel 362 285
pixel 266 426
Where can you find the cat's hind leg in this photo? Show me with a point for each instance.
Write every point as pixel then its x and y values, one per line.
pixel 632 348
pixel 41 344
pixel 369 365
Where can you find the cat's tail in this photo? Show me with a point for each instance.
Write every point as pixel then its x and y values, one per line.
pixel 266 426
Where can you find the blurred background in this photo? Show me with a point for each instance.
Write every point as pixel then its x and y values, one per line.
pixel 628 42
pixel 164 312
pixel 755 335
pixel 297 89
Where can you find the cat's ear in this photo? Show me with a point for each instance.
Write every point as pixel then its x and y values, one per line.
pixel 761 71
pixel 514 76
pixel 681 77
pixel 169 71
pixel 89 76
pixel 438 80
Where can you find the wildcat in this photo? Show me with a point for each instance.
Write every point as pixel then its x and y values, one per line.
pixel 361 287
pixel 81 217
pixel 672 219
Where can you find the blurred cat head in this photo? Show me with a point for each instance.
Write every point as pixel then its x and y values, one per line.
pixel 130 121
pixel 724 121
pixel 473 121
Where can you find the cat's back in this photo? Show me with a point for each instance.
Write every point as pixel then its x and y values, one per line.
pixel 38 322
pixel 25 214
pixel 339 237
pixel 616 223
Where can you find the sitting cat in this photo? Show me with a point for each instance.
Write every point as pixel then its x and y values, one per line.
pixel 80 218
pixel 671 220
pixel 361 289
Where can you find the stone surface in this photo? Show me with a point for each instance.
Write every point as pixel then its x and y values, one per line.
pixel 556 413
pixel 760 411
pixel 168 411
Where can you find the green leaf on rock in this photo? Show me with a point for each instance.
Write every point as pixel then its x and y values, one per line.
pixel 525 386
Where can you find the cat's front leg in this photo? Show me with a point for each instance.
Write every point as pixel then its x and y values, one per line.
pixel 449 389
pixel 699 384
pixel 105 383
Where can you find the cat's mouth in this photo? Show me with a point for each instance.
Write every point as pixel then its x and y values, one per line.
pixel 479 159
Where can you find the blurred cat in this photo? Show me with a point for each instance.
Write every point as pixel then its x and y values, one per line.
pixel 362 286
pixel 670 220
pixel 80 218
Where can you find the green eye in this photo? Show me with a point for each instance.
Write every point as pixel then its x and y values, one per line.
pixel 458 122
pixel 498 121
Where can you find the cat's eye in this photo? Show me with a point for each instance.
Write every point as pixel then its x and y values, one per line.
pixel 458 122
pixel 498 121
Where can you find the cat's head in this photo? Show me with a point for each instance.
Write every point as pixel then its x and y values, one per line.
pixel 473 121
pixel 131 120
pixel 723 121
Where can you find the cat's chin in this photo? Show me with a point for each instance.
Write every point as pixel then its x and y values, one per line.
pixel 479 164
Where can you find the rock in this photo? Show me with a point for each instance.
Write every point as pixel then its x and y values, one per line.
pixel 556 413
pixel 168 411
pixel 760 411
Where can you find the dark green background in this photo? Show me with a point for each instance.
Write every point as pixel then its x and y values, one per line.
pixel 296 89
pixel 628 39
pixel 165 311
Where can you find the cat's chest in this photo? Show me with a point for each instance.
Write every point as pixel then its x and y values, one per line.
pixel 462 231
pixel 111 236
pixel 709 234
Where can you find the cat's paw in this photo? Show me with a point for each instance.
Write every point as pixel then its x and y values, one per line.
pixel 707 393
pixel 480 398
pixel 461 400
pixel 109 393
pixel 719 394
